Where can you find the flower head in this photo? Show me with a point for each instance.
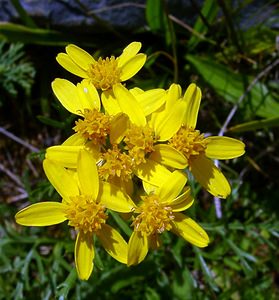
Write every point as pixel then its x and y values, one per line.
pixel 159 212
pixel 120 143
pixel 197 150
pixel 84 205
pixel 103 73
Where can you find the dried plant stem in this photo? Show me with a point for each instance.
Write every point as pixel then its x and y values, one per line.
pixel 11 175
pixel 18 140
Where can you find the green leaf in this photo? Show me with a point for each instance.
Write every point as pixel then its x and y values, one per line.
pixel 240 252
pixel 231 87
pixel 154 14
pixel 151 294
pixel 64 288
pixel 19 33
pixel 51 122
pixel 231 263
pixel 121 223
pixel 209 277
pixel 183 284
pixel 243 257
pixel 25 18
pixel 209 11
pixel 254 125
pixel 157 19
pixel 15 70
pixel 259 39
pixel 176 251
pixel 125 283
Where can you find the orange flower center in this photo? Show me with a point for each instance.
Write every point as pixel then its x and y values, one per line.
pixel 188 141
pixel 139 142
pixel 95 126
pixel 116 164
pixel 115 160
pixel 153 217
pixel 104 73
pixel 85 214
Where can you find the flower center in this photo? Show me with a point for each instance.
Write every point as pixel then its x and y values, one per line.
pixel 85 214
pixel 188 141
pixel 116 164
pixel 104 73
pixel 95 126
pixel 139 142
pixel 154 217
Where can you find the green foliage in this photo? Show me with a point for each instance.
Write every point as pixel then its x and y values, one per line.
pixel 230 86
pixel 241 261
pixel 209 13
pixel 254 125
pixel 15 70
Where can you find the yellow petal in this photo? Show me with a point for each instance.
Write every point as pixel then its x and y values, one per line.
pixel 94 150
pixel 169 156
pixel 61 179
pixel 151 100
pixel 42 214
pixel 221 147
pixel 189 230
pixel 182 202
pixel 132 66
pixel 110 104
pixel 172 95
pixel 137 248
pixel 192 97
pixel 152 172
pixel 210 177
pixel 129 105
pixel 114 198
pixel 88 174
pixel 136 91
pixel 88 96
pixel 65 156
pixel 171 188
pixel 79 56
pixel 66 93
pixel 166 123
pixel 67 63
pixel 119 125
pixel 84 255
pixel 127 186
pixel 130 51
pixel 74 140
pixel 113 243
pixel 149 188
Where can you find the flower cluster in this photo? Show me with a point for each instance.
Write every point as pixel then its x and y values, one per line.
pixel 128 154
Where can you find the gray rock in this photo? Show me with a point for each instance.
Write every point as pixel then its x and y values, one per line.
pixel 84 14
pixel 96 15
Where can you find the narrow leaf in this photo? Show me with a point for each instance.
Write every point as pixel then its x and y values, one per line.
pixel 254 125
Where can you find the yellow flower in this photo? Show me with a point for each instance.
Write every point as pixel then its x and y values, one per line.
pixel 84 206
pixel 145 137
pixel 161 211
pixel 103 73
pixel 76 98
pixel 198 150
pixel 121 156
pixel 84 96
pixel 127 147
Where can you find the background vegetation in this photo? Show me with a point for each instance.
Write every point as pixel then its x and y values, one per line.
pixel 236 67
